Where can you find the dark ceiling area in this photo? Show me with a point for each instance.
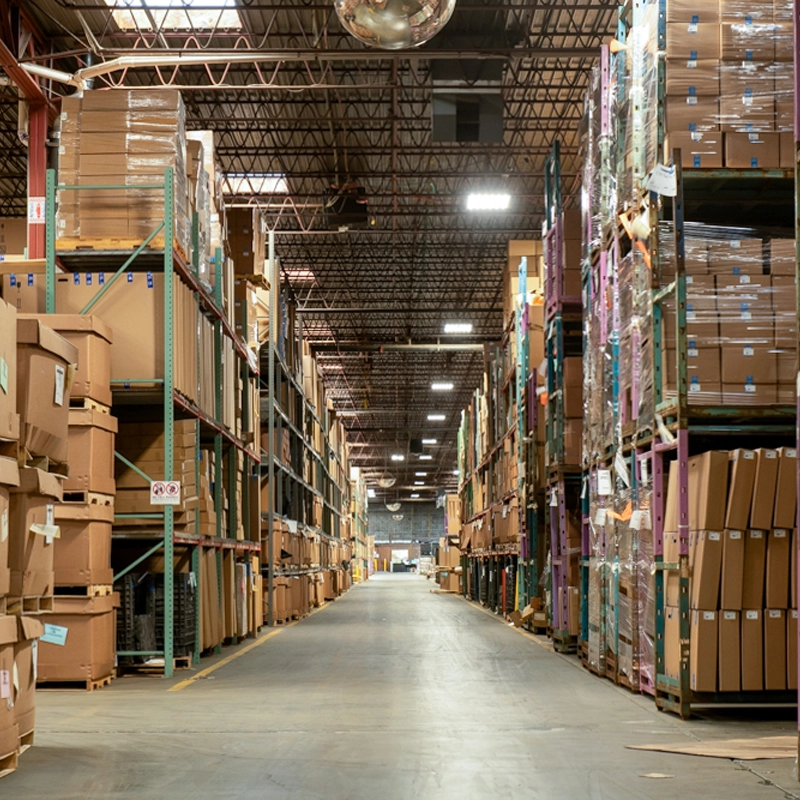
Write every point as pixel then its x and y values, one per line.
pixel 289 93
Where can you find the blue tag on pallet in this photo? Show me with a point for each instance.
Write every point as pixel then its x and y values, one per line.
pixel 76 278
pixel 149 280
pixel 693 55
pixel 30 279
pixel 695 19
pixel 101 278
pixel 88 278
pixel 695 161
pixel 130 277
pixel 754 163
pixel 12 279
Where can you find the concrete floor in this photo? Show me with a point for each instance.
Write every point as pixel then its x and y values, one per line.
pixel 390 692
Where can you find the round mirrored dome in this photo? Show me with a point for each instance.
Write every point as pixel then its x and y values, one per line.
pixel 394 24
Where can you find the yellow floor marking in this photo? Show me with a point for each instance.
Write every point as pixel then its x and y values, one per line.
pixel 233 656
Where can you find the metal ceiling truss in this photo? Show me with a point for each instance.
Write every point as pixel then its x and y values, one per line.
pixel 308 102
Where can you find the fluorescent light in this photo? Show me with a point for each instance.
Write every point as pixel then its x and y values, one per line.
pixel 253 183
pixel 421 474
pixel 426 458
pixel 458 327
pixel 414 495
pixel 436 417
pixel 429 441
pixel 419 483
pixel 455 472
pixel 371 494
pixel 488 202
pixel 442 387
pixel 398 457
pixel 188 15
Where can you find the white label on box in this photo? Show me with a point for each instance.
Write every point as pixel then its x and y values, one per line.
pixel 694 387
pixel 55 634
pixel 748 351
pixel 710 615
pixel 36 215
pixel 604 485
pixel 291 524
pixel 779 533
pixel 662 179
pixel 751 614
pixel 746 315
pixel 748 454
pixel 4 375
pixel 49 532
pixel 790 453
pixel 744 279
pixel 794 613
pixel 165 493
pixel 5 684
pixel 4 526
pixel 505 511
pixel 50 514
pixel 729 615
pixel 600 517
pixel 692 352
pixel 756 534
pixel 690 315
pixel 735 535
pixel 15 678
pixel 691 100
pixel 770 453
pixel 60 380
pixel 749 388
pixel 735 244
pixel 775 613
pixel 714 536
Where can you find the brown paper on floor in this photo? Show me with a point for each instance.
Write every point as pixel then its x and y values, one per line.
pixel 737 749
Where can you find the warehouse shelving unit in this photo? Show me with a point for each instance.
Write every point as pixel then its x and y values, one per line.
pixel 563 338
pixel 316 472
pixel 164 401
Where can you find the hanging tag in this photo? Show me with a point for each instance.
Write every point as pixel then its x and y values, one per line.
pixel 644 469
pixel 61 374
pixel 621 468
pixel 4 375
pixel 662 181
pixel 604 485
pixel 5 684
pixel 600 517
pixel 584 484
pixel 4 526
pixel 636 520
pixel 553 498
pixel 35 659
pixel 647 522
pixel 55 634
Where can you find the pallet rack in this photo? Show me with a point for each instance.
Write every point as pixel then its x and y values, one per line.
pixel 163 399
pixel 563 338
pixel 292 491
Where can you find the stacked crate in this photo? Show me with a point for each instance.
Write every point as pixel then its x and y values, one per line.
pixel 81 645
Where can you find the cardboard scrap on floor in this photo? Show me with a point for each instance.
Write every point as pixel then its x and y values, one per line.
pixel 736 749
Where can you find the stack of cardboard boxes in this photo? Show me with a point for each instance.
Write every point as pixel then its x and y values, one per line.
pixel 448 566
pixel 742 587
pixel 729 83
pixel 741 323
pixel 36 366
pixel 81 647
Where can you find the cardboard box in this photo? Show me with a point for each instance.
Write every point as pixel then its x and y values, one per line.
pixel 45 362
pixel 91 452
pixel 28 629
pixel 13 235
pixel 733 551
pixel 687 78
pixel 707 570
pixel 708 490
pixel 572 387
pixel 687 11
pixel 774 649
pixel 672 642
pixel 793 572
pixel 82 555
pixel 32 531
pixel 92 338
pixel 740 497
pixel 699 149
pixel 89 650
pixel 693 41
pixel 703 642
pixel 786 489
pixel 9 734
pixel 745 364
pixel 747 40
pixel 763 506
pixel 787 150
pixel 9 420
pixel 700 115
pixel 782 257
pixel 791 649
pixel 755 556
pixel 752 150
pixel 729 678
pixel 779 545
pixel 735 258
pixel 749 394
pixel 752 650
pixel 9 478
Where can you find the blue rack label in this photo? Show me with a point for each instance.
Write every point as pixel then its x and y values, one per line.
pixel 12 279
pixel 130 277
pixel 76 278
pixel 88 278
pixel 696 161
pixel 101 278
pixel 149 280
pixel 754 163
pixel 30 279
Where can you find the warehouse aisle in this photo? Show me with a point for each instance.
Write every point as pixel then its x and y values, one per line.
pixel 390 692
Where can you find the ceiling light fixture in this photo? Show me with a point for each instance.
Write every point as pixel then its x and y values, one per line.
pixel 421 474
pixel 425 458
pixel 442 387
pixel 414 496
pixel 371 494
pixel 419 483
pixel 436 417
pixel 458 327
pixel 429 441
pixel 398 457
pixel 488 202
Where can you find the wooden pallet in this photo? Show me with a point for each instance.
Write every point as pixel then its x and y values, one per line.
pixel 72 686
pixel 25 742
pixel 75 245
pixel 89 403
pixel 443 591
pixel 98 590
pixel 29 605
pixel 9 763
pixel 178 662
pixel 88 499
